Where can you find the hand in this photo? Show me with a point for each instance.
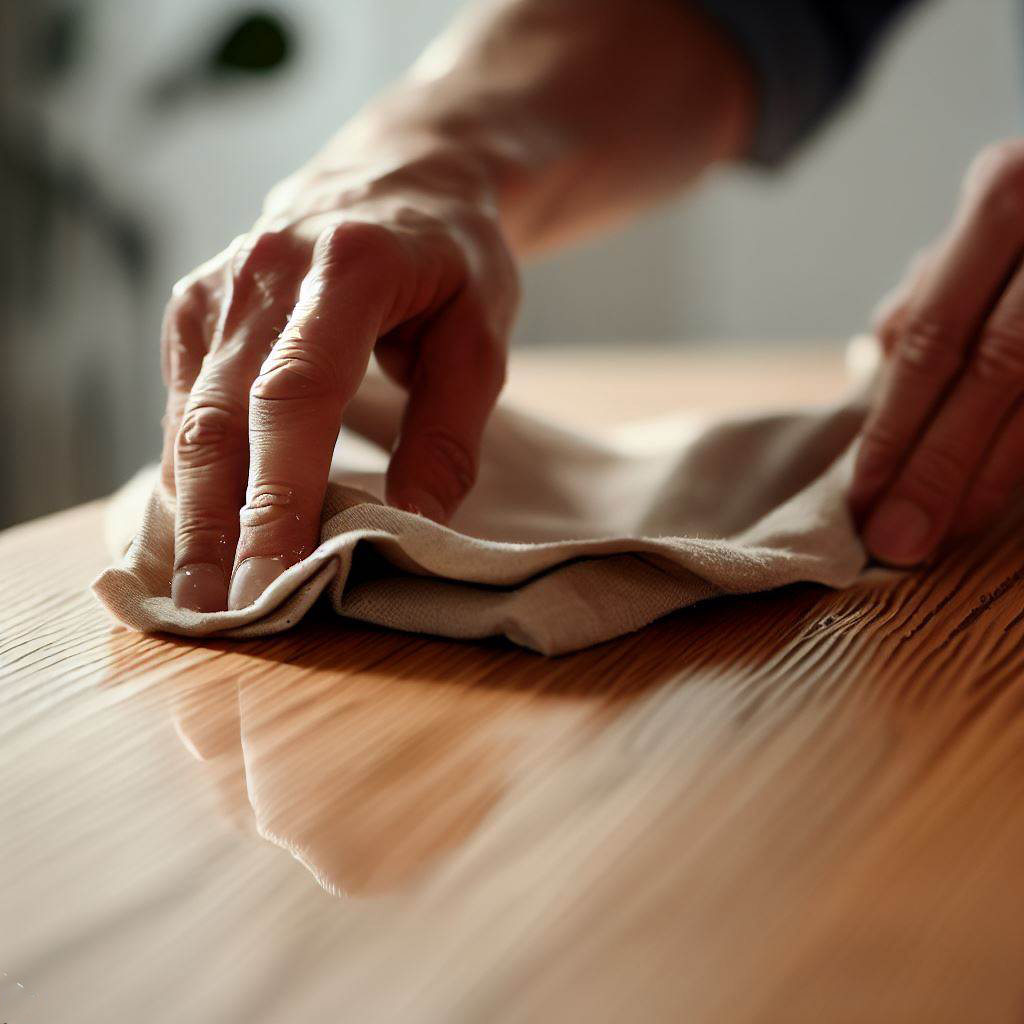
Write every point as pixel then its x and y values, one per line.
pixel 942 452
pixel 264 346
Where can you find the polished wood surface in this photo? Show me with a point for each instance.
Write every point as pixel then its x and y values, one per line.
pixel 797 806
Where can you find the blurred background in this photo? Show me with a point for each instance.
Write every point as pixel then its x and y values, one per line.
pixel 136 139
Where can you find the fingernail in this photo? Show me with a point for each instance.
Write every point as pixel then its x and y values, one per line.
pixel 251 578
pixel 898 532
pixel 200 588
pixel 423 504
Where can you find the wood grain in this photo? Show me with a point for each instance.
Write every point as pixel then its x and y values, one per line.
pixel 799 806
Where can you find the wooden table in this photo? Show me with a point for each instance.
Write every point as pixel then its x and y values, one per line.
pixel 799 806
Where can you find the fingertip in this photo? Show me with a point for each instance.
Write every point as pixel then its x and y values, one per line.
pixel 200 588
pixel 899 532
pixel 430 475
pixel 431 471
pixel 421 503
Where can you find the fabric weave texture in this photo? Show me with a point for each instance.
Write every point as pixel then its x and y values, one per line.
pixel 567 539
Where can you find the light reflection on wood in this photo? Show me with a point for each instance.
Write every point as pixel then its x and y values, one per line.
pixel 795 807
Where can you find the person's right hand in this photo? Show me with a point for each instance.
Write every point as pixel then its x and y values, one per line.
pixel 264 346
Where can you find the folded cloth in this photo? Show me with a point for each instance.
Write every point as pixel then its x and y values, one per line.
pixel 565 541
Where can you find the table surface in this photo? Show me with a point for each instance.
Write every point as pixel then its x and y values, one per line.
pixel 796 806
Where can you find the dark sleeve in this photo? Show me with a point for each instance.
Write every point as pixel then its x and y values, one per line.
pixel 806 55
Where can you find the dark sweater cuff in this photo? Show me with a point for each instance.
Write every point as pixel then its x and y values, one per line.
pixel 800 75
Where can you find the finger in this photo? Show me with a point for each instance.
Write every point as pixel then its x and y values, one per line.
pixel 942 320
pixel 297 401
pixel 184 341
pixel 999 480
pixel 211 449
pixel 459 373
pixel 189 325
pixel 918 510
pixel 210 460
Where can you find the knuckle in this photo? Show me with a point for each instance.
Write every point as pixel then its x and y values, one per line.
pixel 454 455
pixel 267 502
pixel 295 373
pixel 210 428
pixel 186 306
pixel 356 242
pixel 999 358
pixel 185 288
pixel 928 348
pixel 187 299
pixel 262 253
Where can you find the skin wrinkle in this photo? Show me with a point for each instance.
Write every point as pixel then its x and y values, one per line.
pixel 266 503
pixel 207 434
pixel 1000 357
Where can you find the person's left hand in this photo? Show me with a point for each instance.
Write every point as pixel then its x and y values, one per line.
pixel 942 452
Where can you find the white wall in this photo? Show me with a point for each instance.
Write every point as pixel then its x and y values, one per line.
pixel 807 251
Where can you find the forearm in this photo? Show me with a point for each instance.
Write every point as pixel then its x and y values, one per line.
pixel 567 114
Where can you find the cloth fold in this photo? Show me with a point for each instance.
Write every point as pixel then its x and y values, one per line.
pixel 567 540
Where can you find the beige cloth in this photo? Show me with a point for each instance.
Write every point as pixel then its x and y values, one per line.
pixel 567 540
